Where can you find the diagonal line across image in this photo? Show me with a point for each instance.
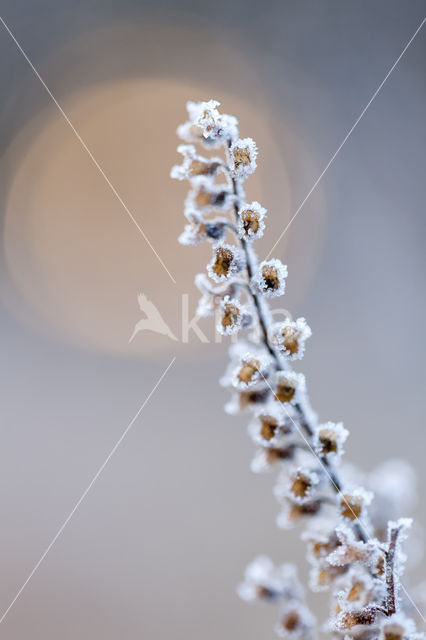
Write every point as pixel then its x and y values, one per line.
pixel 88 488
pixel 345 139
pixel 89 153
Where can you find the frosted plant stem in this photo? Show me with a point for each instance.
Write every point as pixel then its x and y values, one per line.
pixel 390 570
pixel 335 481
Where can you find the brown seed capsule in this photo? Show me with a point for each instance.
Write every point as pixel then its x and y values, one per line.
pixel 351 506
pixel 223 261
pixel 285 391
pixel 231 315
pixel 202 168
pixel 301 484
pixel 269 426
pixel 270 278
pixel 248 370
pixel 290 339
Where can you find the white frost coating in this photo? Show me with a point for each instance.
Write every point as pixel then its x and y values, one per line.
pixel 296 621
pixel 227 261
pixel 329 439
pixel 251 221
pixel 289 337
pixel 264 580
pixel 207 125
pixel 270 278
pixel 230 316
pixel 194 165
pixel 352 558
pixel 351 550
pixel 284 383
pixel 206 195
pixel 242 158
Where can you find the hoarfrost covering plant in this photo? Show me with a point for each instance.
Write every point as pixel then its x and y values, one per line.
pixel 354 543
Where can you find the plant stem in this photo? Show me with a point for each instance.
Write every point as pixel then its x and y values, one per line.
pixel 390 570
pixel 335 481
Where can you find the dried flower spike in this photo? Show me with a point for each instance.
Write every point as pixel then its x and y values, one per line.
pixel 354 544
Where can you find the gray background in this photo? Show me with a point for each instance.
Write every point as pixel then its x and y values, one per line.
pixel 161 540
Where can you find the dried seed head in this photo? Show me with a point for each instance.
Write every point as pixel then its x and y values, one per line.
pixel 353 504
pixel 207 125
pixel 265 458
pixel 251 221
pixel 302 484
pixel 265 581
pixel 329 439
pixel 198 230
pixel 323 576
pixel 270 278
pixel 289 337
pixel 242 156
pixel 398 627
pixel 230 316
pixel 348 619
pixel 194 165
pixel 206 195
pixel 227 261
pixel 245 400
pixel 296 622
pixel 288 386
pixel 293 512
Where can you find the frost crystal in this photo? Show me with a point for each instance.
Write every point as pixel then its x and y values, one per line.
pixel 329 439
pixel 227 261
pixel 290 337
pixel 242 154
pixel 264 580
pixel 230 316
pixel 270 278
pixel 198 230
pixel 251 222
pixel 206 195
pixel 289 386
pixel 207 125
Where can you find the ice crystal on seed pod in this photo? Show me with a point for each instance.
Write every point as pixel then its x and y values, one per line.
pixel 265 458
pixel 231 314
pixel 250 371
pixel 270 426
pixel 353 504
pixel 212 296
pixel 227 261
pixel 265 581
pixel 194 165
pixel 296 622
pixel 329 439
pixel 350 550
pixel 398 627
pixel 347 620
pixel 207 125
pixel 289 337
pixel 302 485
pixel 242 154
pixel 270 278
pixel 289 386
pixel 293 513
pixel 357 588
pixel 206 195
pixel 251 221
pixel 354 548
pixel 199 230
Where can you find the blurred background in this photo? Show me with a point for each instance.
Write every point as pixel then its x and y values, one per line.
pixel 161 540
